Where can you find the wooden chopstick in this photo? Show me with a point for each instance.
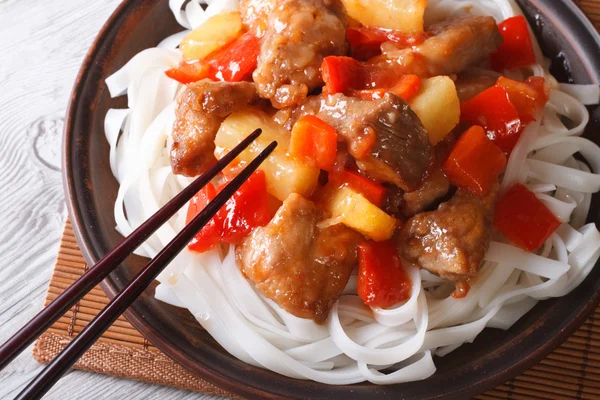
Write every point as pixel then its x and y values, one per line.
pixel 82 342
pixel 45 318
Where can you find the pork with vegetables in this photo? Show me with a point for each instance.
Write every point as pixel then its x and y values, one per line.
pixel 390 146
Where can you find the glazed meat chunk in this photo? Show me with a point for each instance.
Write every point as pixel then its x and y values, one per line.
pixel 201 108
pixel 453 46
pixel 434 187
pixel 451 241
pixel 300 33
pixel 256 12
pixel 385 137
pixel 470 85
pixel 302 268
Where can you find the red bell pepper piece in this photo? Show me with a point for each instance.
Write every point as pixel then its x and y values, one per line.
pixel 232 63
pixel 236 61
pixel 365 43
pixel 366 81
pixel 246 210
pixel 493 110
pixel 474 162
pixel 527 99
pixel 188 72
pixel 517 49
pixel 372 191
pixel 523 219
pixel 382 281
pixel 542 87
pixel 314 142
pixel 407 87
pixel 343 73
pixel 209 235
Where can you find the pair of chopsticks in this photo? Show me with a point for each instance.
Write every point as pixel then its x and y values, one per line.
pixel 82 342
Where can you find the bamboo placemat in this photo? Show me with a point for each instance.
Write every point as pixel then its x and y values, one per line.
pixel 571 372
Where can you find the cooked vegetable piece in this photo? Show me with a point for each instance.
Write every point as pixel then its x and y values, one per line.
pixel 284 174
pixel 188 72
pixel 517 50
pixel 402 15
pixel 341 74
pixel 373 191
pixel 493 110
pixel 523 219
pixel 236 61
pixel 542 87
pixel 527 99
pixel 382 281
pixel 406 87
pixel 365 42
pixel 475 162
pixel 232 63
pixel 314 142
pixel 437 106
pixel 214 33
pixel 358 213
pixel 246 210
pixel 366 81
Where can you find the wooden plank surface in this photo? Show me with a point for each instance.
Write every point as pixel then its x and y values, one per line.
pixel 43 43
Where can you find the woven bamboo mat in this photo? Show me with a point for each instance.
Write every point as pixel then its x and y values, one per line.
pixel 571 372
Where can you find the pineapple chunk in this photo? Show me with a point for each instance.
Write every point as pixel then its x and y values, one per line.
pixel 284 174
pixel 437 106
pixel 356 212
pixel 213 34
pixel 401 15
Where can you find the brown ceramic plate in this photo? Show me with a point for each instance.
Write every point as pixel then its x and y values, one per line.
pixel 495 356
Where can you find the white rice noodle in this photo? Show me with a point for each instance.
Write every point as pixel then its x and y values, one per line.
pixel 562 176
pixel 405 312
pixel 146 60
pixel 586 94
pixel 357 342
pixel 515 168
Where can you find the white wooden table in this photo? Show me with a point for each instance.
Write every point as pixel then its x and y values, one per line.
pixel 42 44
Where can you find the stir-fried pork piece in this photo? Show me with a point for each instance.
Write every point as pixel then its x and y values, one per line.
pixel 451 241
pixel 201 109
pixel 300 33
pixel 385 137
pixel 256 12
pixel 287 117
pixel 302 268
pixel 470 85
pixel 453 46
pixel 434 187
